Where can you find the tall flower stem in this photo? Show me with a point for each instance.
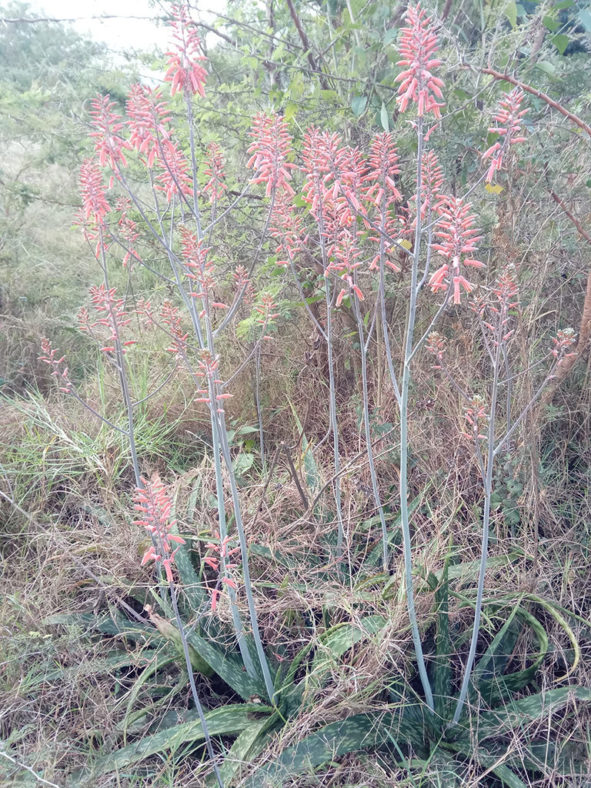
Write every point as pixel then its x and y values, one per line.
pixel 332 415
pixel 363 342
pixel 406 377
pixel 196 701
pixel 121 370
pixel 485 528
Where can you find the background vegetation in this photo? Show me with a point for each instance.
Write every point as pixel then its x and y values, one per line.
pixel 93 688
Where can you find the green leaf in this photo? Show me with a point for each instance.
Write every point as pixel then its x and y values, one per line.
pixel 511 13
pixel 385 118
pixel 340 639
pixel 228 668
pixel 360 732
pixel 171 633
pixel 358 105
pixel 492 762
pixel 547 67
pixel 561 42
pixel 225 721
pixel 499 686
pixel 499 644
pixel 390 35
pixel 290 111
pixel 189 578
pixel 242 463
pixel 94 667
pixel 524 711
pixel 551 23
pixel 312 473
pixel 147 673
pixel 241 751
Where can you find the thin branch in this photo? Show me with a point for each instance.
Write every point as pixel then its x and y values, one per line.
pixel 306 44
pixel 20 765
pixel 538 94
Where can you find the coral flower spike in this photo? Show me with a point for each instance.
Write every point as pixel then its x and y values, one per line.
pixel 153 503
pixel 509 117
pixel 418 45
pixel 185 69
pixel 457 243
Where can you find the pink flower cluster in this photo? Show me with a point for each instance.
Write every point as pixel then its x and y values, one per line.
pixel 269 152
pixel 148 120
pixel 127 230
pixel 153 503
pixel 109 144
pixel 224 551
pixel 169 315
pixel 59 372
pixel 207 369
pixel 381 189
pixel 106 303
pixel 562 344
pixel 185 69
pixel 215 187
pixel 199 268
pixel 436 345
pixel 509 118
pixel 477 418
pixel 457 242
pixel 418 45
pixel 266 311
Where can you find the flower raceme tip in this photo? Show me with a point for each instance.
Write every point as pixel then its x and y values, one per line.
pixel 418 46
pixel 185 69
pixel 509 118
